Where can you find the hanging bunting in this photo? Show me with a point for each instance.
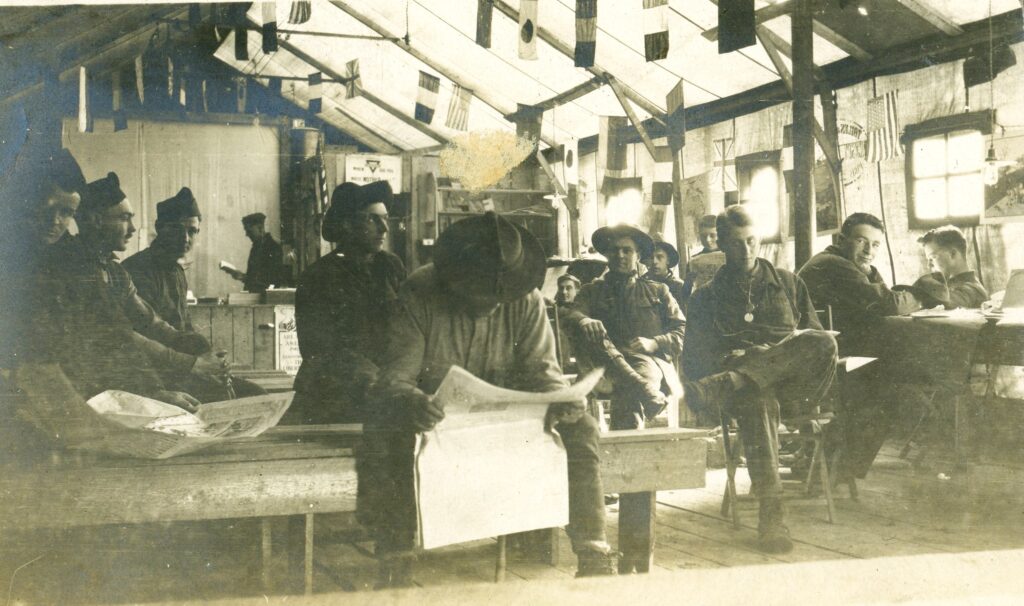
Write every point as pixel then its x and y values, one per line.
pixel 274 84
pixel 723 172
pixel 300 11
pixel 610 144
pixel 661 192
pixel 458 108
pixel 323 196
pixel 528 29
pixel 316 86
pixel 269 28
pixel 883 128
pixel 426 97
pixel 570 162
pixel 655 29
pixel 736 25
pixel 586 33
pixel 84 112
pixel 676 118
pixel 117 102
pixel 241 94
pixel 353 82
pixel 484 10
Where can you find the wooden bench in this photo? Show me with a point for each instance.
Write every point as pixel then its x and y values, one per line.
pixel 298 471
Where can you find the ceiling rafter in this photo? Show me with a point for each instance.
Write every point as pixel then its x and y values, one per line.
pixel 936 19
pixel 566 96
pixel 480 92
pixel 553 41
pixel 369 96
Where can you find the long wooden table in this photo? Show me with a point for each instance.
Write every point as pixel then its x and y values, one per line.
pixel 294 471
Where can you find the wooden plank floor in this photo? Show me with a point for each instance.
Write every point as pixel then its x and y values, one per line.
pixel 901 512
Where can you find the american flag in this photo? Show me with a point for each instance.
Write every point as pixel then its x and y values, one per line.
pixel 300 11
pixel 458 108
pixel 323 199
pixel 883 128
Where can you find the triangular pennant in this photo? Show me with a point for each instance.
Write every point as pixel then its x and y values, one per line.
pixel 316 86
pixel 586 33
pixel 426 97
pixel 484 11
pixel 655 29
pixel 269 29
pixel 528 29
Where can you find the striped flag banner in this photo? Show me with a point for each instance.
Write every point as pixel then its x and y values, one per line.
pixel 528 29
pixel 316 91
pixel 353 83
pixel 323 198
pixel 661 192
pixel 84 113
pixel 655 29
pixel 586 33
pixel 426 97
pixel 484 12
pixel 883 128
pixel 458 108
pixel 609 143
pixel 723 172
pixel 269 10
pixel 300 11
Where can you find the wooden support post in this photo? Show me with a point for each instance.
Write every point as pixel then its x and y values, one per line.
pixel 803 129
pixel 300 550
pixel 831 130
pixel 636 531
pixel 266 554
pixel 620 94
pixel 501 562
pixel 678 210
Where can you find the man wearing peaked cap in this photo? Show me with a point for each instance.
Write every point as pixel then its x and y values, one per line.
pixel 265 267
pixel 477 306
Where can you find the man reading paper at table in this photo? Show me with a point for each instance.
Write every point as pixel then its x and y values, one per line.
pixel 754 345
pixel 477 307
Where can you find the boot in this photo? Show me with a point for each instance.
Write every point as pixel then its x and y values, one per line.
pixel 773 536
pixel 395 571
pixel 593 563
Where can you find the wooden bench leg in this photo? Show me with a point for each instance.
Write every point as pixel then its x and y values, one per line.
pixel 636 532
pixel 266 554
pixel 300 541
pixel 501 561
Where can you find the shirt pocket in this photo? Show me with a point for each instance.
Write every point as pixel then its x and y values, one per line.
pixel 776 309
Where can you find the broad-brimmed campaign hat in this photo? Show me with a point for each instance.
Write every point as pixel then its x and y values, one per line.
pixel 604 237
pixel 670 251
pixel 494 251
pixel 350 198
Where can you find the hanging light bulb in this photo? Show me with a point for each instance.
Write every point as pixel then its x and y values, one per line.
pixel 990 173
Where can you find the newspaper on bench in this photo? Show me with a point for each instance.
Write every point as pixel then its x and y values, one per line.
pixel 489 469
pixel 151 429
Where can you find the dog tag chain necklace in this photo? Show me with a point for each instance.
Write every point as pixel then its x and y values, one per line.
pixel 748 317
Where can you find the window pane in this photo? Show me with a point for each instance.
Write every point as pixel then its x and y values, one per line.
pixel 966 151
pixel 930 156
pixel 764 200
pixel 930 198
pixel 966 195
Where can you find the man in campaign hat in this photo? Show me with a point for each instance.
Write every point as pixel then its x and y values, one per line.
pixel 632 326
pixel 478 307
pixel 660 266
pixel 343 305
pixel 265 267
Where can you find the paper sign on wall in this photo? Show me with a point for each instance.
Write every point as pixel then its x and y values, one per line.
pixel 287 338
pixel 367 168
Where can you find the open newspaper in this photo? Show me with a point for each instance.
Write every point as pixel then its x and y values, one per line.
pixel 489 468
pixel 151 429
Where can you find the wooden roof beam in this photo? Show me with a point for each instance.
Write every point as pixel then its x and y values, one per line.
pixel 396 113
pixel 567 96
pixel 935 18
pixel 480 92
pixel 553 41
pixel 620 94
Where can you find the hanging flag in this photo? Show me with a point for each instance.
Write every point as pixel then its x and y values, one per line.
pixel 269 10
pixel 675 118
pixel 274 84
pixel 323 197
pixel 655 29
pixel 140 83
pixel 661 192
pixel 736 25
pixel 241 94
pixel 586 33
pixel 316 86
pixel 84 112
pixel 883 128
pixel 353 83
pixel 241 43
pixel 458 108
pixel 610 144
pixel 426 97
pixel 570 162
pixel 117 102
pixel 723 172
pixel 484 9
pixel 528 29
pixel 300 11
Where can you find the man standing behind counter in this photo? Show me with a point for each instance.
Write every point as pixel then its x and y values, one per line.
pixel 266 260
